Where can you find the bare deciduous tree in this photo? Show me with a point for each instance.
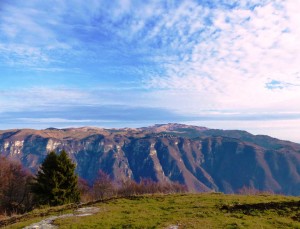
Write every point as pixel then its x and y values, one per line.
pixel 103 186
pixel 15 196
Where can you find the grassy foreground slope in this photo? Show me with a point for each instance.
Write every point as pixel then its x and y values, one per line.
pixel 190 211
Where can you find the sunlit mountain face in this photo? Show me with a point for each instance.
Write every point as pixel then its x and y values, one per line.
pixel 203 159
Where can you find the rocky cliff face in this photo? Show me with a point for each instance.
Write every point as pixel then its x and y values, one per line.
pixel 202 159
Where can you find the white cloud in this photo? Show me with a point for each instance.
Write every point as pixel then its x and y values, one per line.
pixel 40 98
pixel 231 64
pixel 20 54
pixel 33 34
pixel 49 98
pixel 53 120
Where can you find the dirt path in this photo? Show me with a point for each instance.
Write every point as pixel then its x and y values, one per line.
pixel 47 223
pixel 173 227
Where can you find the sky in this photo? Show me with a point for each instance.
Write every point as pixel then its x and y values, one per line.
pixel 217 63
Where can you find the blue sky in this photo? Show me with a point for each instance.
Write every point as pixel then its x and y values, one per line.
pixel 221 64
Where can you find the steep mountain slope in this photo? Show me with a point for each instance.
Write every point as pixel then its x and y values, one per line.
pixel 201 158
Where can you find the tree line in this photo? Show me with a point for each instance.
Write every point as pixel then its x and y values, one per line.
pixel 56 183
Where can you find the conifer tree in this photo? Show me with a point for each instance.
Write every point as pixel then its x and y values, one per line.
pixel 56 182
pixel 69 180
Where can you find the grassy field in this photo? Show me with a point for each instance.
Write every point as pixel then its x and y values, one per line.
pixel 188 211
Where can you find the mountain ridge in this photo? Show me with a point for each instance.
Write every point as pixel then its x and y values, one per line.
pixel 203 159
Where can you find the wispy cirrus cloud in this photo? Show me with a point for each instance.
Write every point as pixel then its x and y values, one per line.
pixel 245 48
pixel 230 60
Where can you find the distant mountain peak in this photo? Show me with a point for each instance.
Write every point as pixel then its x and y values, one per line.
pixel 201 158
pixel 172 127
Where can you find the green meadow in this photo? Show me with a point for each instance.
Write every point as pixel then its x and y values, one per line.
pixel 212 210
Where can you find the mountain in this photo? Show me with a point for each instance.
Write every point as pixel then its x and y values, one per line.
pixel 203 159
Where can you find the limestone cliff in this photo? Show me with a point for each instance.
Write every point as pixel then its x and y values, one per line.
pixel 201 158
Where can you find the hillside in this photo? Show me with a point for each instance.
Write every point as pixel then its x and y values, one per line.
pixel 179 211
pixel 201 158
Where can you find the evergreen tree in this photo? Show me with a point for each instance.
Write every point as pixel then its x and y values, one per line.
pixel 69 180
pixel 56 182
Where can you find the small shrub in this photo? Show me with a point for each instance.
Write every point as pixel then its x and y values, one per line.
pixel 147 186
pixel 103 187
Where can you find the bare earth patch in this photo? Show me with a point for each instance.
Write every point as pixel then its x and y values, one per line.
pixel 173 227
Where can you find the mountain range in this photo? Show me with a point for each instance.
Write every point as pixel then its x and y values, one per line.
pixel 201 158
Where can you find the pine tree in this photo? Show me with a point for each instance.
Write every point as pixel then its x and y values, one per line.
pixel 69 180
pixel 46 180
pixel 56 182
